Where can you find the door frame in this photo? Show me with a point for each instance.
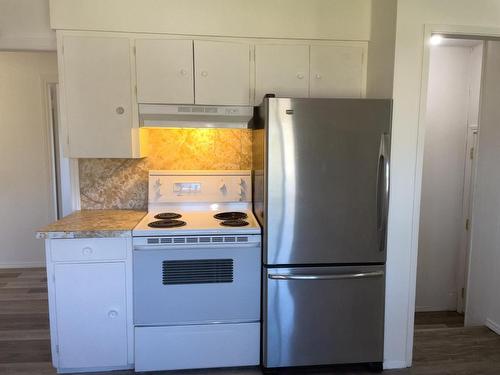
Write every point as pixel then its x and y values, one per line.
pixel 69 185
pixel 457 31
pixel 468 191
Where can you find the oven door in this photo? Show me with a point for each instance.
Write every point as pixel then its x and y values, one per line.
pixel 197 285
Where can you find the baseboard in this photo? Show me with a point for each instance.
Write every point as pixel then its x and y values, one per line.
pixel 389 365
pixel 494 326
pixel 430 308
pixel 22 265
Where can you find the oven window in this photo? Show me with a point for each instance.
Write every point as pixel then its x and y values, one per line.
pixel 197 271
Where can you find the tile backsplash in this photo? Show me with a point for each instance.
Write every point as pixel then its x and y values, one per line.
pixel 123 183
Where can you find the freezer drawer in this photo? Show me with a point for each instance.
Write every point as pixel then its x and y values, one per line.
pixel 323 315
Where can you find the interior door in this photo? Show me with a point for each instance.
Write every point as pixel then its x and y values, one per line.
pixel 98 96
pixel 282 70
pixel 327 180
pixel 164 71
pixel 336 71
pixel 222 73
pixel 91 315
pixel 323 315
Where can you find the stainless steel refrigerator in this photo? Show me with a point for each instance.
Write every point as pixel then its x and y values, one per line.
pixel 321 190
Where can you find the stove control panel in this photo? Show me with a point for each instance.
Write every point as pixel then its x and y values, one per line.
pixel 200 186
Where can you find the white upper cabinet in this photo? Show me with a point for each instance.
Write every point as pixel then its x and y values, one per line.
pixel 95 75
pixel 282 70
pixel 164 71
pixel 336 71
pixel 222 73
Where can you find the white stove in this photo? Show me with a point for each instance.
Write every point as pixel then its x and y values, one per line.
pixel 197 258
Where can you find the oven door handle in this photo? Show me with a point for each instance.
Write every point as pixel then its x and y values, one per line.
pixel 196 246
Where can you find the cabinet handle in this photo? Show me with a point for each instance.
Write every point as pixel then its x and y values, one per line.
pixel 183 72
pixel 112 314
pixel 87 250
pixel 300 75
pixel 120 110
pixel 204 73
pixel 318 76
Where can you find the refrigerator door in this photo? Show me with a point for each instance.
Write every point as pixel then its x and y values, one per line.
pixel 323 315
pixel 326 180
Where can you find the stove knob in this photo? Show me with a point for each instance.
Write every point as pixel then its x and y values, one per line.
pixel 112 314
pixel 243 196
pixel 223 189
pixel 243 184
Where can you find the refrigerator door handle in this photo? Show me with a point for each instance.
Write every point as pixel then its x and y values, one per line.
pixel 382 190
pixel 360 275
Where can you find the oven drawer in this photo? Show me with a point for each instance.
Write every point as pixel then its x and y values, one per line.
pixel 197 286
pixel 88 249
pixel 197 346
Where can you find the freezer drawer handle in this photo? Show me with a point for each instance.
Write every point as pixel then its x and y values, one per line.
pixel 360 275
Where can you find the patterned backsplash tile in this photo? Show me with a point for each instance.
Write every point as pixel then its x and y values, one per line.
pixel 123 183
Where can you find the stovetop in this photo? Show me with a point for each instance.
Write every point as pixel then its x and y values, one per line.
pixel 197 222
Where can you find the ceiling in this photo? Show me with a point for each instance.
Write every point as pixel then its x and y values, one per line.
pixel 24 25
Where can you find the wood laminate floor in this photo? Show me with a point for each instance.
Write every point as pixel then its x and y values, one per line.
pixel 25 344
pixel 438 319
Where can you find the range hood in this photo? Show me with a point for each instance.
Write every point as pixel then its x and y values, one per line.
pixel 194 116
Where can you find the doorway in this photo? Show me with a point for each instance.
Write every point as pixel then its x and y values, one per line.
pixel 26 191
pixel 450 153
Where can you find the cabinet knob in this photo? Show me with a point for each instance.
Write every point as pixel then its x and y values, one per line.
pixel 112 314
pixel 87 250
pixel 183 72
pixel 300 75
pixel 318 76
pixel 120 110
pixel 204 73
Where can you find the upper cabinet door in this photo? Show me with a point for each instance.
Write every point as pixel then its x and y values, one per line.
pixel 96 79
pixel 282 70
pixel 164 71
pixel 222 73
pixel 336 72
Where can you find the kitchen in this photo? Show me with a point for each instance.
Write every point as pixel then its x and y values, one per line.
pixel 118 144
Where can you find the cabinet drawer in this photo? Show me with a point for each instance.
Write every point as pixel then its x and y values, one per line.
pixel 88 249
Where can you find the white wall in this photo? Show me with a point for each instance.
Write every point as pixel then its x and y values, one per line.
pixel 407 153
pixel 303 19
pixel 380 70
pixel 441 226
pixel 484 275
pixel 25 188
pixel 24 25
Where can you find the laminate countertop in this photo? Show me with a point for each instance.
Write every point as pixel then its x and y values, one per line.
pixel 93 223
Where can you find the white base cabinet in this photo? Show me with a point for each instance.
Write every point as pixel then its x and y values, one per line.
pixel 90 304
